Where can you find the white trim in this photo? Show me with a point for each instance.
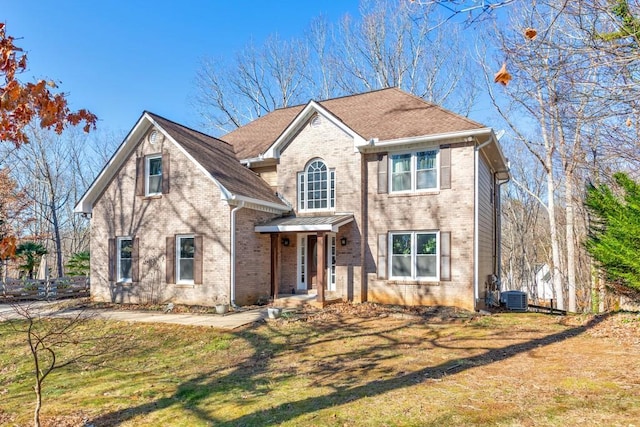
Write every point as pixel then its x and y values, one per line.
pixel 302 251
pixel 476 291
pixel 311 108
pixel 301 228
pixel 179 237
pixel 413 169
pixel 85 204
pixel 252 203
pixel 147 173
pixel 302 183
pixel 414 254
pixel 119 278
pixel 376 145
pixel 332 253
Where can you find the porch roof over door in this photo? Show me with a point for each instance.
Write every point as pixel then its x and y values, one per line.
pixel 305 223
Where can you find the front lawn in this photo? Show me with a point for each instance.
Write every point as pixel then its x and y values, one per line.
pixel 346 366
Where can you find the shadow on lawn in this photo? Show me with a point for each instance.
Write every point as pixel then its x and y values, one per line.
pixel 246 376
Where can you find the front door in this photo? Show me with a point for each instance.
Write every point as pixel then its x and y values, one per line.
pixel 312 256
pixel 308 261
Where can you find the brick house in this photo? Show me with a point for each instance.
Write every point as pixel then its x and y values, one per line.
pixel 377 197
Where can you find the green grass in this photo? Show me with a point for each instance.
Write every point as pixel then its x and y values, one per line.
pixel 339 368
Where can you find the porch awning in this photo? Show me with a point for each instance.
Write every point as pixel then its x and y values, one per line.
pixel 305 223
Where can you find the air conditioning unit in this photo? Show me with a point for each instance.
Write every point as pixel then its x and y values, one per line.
pixel 514 300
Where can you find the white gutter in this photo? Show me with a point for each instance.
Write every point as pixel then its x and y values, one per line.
pixel 244 199
pixel 233 253
pixel 373 143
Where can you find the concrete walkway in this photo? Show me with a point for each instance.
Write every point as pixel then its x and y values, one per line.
pixel 228 321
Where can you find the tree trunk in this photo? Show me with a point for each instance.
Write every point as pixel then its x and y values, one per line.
pixel 570 242
pixel 553 231
pixel 56 236
pixel 36 413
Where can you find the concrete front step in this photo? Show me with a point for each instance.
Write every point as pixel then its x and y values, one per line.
pixel 298 300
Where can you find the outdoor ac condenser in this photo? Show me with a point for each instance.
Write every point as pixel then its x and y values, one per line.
pixel 515 300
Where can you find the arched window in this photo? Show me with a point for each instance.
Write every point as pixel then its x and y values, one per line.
pixel 316 187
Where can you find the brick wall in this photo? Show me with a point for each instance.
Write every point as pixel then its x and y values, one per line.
pixel 326 141
pixel 192 206
pixel 448 210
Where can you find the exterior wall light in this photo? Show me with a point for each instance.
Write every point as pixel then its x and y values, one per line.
pixel 285 241
pixel 343 241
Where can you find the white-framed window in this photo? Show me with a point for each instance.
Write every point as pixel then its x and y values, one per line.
pixel 153 175
pixel 414 171
pixel 125 259
pixel 185 258
pixel 317 187
pixel 414 255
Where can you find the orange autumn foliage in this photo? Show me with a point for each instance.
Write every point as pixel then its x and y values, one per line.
pixel 13 205
pixel 502 76
pixel 20 103
pixel 530 33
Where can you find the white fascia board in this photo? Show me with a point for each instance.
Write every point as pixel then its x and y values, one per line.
pixel 312 107
pixel 85 204
pixel 300 228
pixel 377 146
pixel 337 226
pixel 292 228
pixel 272 206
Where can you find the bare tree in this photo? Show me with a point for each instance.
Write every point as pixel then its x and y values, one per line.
pixel 390 44
pixel 259 80
pixel 52 172
pixel 59 337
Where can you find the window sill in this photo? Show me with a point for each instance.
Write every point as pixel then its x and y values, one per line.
pixel 152 196
pixel 185 285
pixel 414 193
pixel 413 282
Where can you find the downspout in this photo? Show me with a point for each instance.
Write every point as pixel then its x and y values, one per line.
pixel 476 293
pixel 233 253
pixel 498 231
pixel 476 221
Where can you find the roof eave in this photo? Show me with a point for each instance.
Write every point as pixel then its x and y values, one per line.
pixel 259 204
pixel 294 127
pixel 85 204
pixel 374 145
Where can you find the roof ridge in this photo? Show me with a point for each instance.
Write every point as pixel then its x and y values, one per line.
pixel 439 107
pixel 334 98
pixel 186 127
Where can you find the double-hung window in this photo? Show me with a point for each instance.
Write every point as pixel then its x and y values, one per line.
pixel 125 259
pixel 317 187
pixel 185 255
pixel 414 255
pixel 153 175
pixel 416 171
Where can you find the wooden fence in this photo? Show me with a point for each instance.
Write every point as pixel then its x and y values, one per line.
pixel 52 289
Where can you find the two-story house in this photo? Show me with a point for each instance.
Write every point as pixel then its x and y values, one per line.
pixel 377 197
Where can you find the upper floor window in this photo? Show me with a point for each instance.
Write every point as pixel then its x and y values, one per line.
pixel 153 175
pixel 317 187
pixel 416 171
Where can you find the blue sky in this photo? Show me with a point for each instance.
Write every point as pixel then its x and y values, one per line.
pixel 118 58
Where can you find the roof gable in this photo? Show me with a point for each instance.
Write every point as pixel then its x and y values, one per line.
pixel 385 114
pixel 210 155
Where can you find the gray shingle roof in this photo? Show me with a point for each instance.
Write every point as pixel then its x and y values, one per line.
pixel 219 159
pixel 384 114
